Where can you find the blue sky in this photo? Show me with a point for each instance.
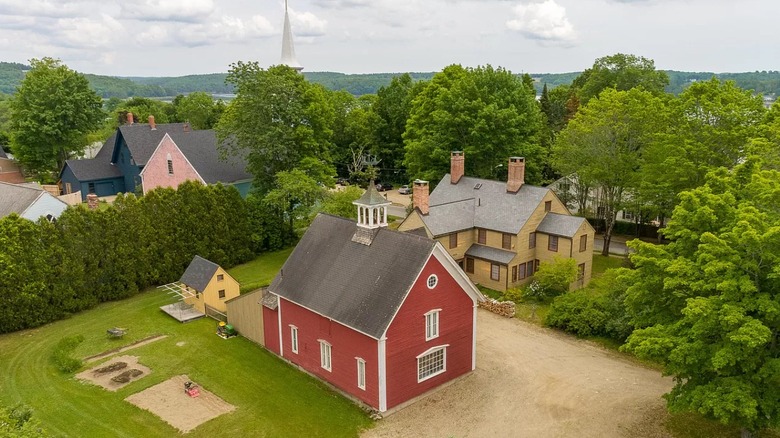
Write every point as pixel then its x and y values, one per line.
pixel 178 37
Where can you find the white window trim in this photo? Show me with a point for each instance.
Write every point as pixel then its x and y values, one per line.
pixel 427 352
pixel 326 347
pixel 361 373
pixel 435 281
pixel 435 335
pixel 294 339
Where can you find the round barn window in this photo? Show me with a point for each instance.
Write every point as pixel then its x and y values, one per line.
pixel 433 280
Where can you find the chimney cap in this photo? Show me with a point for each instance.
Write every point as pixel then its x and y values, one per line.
pixel 420 181
pixel 456 153
pixel 514 159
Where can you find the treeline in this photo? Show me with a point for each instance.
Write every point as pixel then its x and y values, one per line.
pixel 51 270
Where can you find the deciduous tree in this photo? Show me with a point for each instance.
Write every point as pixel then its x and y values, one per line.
pixel 487 113
pixel 276 119
pixel 51 113
pixel 710 300
pixel 603 145
pixel 621 72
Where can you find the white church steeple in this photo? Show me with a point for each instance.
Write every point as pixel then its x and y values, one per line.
pixel 288 50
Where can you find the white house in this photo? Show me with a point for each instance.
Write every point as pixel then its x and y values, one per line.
pixel 29 201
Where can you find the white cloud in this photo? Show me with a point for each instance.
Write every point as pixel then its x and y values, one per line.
pixel 306 24
pixel 99 32
pixel 188 11
pixel 545 21
pixel 45 8
pixel 226 29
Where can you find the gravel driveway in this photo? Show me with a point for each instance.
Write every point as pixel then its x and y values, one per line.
pixel 534 382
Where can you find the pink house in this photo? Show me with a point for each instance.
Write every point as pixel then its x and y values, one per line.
pixel 383 316
pixel 167 167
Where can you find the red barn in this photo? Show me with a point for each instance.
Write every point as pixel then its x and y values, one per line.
pixel 381 315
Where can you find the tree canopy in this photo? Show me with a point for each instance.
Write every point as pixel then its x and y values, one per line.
pixel 487 113
pixel 276 119
pixel 604 143
pixel 51 114
pixel 621 72
pixel 710 300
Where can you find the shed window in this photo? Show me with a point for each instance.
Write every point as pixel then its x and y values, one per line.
pixel 495 272
pixel 325 355
pixel 453 240
pixel 361 373
pixel 470 265
pixel 294 339
pixel 432 324
pixel 506 241
pixel 481 236
pixel 532 240
pixel 552 243
pixel 431 363
pixel 583 243
pixel 220 277
pixel 548 206
pixel 222 294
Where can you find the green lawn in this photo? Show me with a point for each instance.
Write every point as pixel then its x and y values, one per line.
pixel 602 263
pixel 273 399
pixel 260 271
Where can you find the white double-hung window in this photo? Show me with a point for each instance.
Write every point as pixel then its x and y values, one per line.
pixel 432 324
pixel 325 355
pixel 361 373
pixel 294 339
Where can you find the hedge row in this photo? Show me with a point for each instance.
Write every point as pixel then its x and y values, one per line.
pixel 91 256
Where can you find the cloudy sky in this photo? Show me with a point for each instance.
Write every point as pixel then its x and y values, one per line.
pixel 178 37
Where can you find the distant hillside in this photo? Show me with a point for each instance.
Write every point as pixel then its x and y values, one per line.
pixel 764 82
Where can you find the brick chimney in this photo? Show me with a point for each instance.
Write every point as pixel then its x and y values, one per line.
pixel 152 124
pixel 186 127
pixel 456 166
pixel 420 195
pixel 516 177
pixel 92 201
pixel 129 118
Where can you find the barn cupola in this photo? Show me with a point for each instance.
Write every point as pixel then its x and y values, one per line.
pixel 371 213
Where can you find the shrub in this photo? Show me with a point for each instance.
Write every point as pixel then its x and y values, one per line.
pixel 61 355
pixel 597 310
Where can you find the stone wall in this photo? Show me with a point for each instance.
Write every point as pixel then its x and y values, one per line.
pixel 503 308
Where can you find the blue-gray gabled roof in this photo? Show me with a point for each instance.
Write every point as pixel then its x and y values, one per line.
pixel 199 146
pixel 359 286
pixel 489 253
pixel 96 168
pixel 492 207
pixel 199 273
pixel 560 224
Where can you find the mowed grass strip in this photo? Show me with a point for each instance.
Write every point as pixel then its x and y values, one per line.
pixel 273 399
pixel 260 271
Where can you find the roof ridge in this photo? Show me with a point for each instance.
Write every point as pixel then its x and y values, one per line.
pixel 24 187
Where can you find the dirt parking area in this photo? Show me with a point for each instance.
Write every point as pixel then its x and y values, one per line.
pixel 534 382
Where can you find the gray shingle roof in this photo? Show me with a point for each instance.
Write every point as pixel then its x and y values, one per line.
pixel 450 217
pixel 96 168
pixel 200 148
pixel 489 253
pixel 493 207
pixel 560 224
pixel 16 198
pixel 357 285
pixel 199 273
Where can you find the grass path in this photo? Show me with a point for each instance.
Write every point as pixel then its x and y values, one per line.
pixel 273 399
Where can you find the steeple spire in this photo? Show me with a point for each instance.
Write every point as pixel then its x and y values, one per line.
pixel 288 50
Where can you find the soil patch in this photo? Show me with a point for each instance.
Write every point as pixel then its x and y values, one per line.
pixel 114 351
pixel 116 373
pixel 532 381
pixel 168 401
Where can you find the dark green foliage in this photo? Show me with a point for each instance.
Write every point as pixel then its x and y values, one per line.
pixel 597 310
pixel 51 114
pixel 61 354
pixel 487 113
pixel 87 257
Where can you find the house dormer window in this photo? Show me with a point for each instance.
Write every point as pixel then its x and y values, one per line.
pixel 170 165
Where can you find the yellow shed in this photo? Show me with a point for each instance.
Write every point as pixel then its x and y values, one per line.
pixel 210 285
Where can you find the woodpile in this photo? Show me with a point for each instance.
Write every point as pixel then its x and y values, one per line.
pixel 503 308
